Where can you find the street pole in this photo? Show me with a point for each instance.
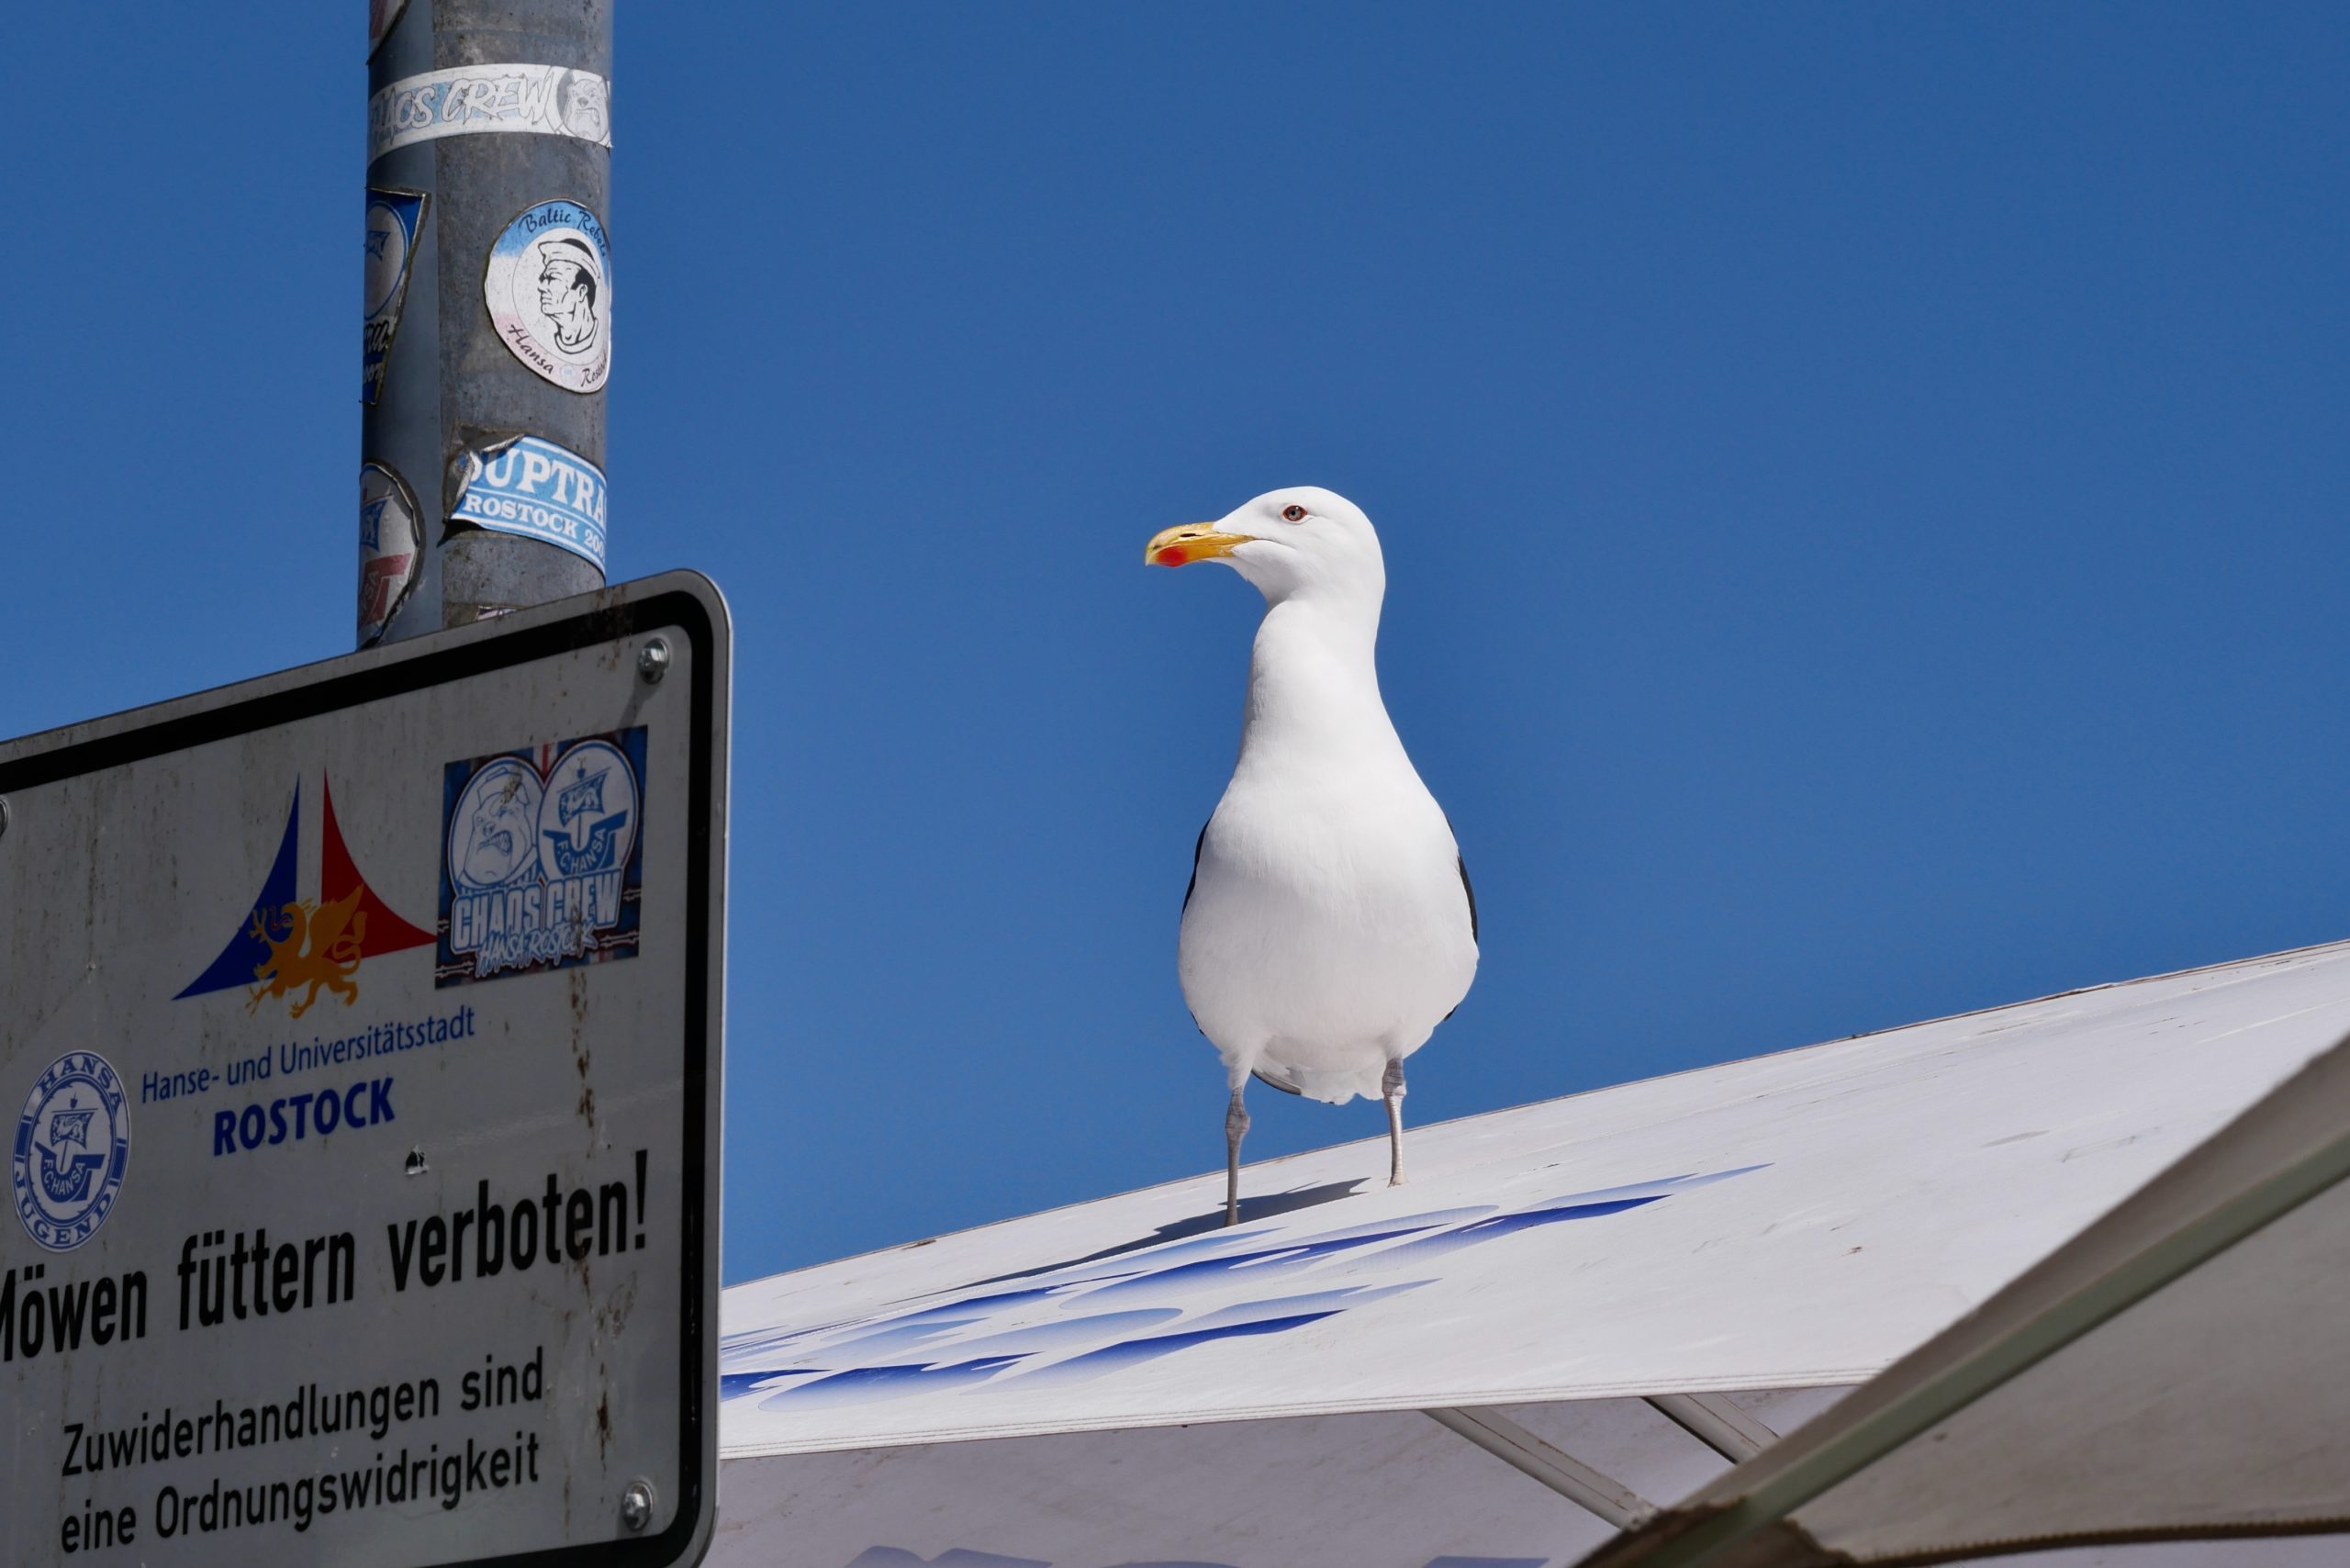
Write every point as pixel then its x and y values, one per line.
pixel 488 309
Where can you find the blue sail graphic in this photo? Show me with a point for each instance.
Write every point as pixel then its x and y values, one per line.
pixel 246 954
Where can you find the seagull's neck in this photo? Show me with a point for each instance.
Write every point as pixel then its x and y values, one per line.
pixel 1313 685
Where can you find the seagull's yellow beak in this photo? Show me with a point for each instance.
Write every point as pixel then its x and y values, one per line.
pixel 1190 542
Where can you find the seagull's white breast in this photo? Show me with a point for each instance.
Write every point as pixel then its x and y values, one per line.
pixel 1328 928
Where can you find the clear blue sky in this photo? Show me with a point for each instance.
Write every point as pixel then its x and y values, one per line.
pixel 1863 490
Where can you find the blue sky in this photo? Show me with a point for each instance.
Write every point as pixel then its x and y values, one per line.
pixel 1864 492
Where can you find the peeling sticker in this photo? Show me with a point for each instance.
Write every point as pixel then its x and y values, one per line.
pixel 542 100
pixel 383 16
pixel 549 289
pixel 541 862
pixel 532 487
pixel 391 548
pixel 392 220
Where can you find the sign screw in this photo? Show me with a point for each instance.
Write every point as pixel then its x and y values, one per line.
pixel 636 1505
pixel 652 661
pixel 3 816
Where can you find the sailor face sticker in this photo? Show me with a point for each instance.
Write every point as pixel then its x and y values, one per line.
pixel 542 864
pixel 549 290
pixel 72 1145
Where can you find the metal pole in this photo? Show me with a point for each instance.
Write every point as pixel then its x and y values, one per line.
pixel 488 309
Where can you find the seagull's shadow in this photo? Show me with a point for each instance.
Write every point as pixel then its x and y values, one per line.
pixel 1251 1209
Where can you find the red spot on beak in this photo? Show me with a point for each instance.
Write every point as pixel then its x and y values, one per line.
pixel 1174 555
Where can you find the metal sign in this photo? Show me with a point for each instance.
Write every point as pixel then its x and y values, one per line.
pixel 359 1061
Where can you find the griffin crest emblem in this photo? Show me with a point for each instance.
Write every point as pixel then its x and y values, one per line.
pixel 321 949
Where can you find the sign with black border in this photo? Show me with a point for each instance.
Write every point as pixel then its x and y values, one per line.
pixel 360 1062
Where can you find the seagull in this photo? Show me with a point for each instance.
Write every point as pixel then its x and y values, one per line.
pixel 1330 926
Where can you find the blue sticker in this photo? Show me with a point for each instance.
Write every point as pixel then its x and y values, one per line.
pixel 537 489
pixel 543 857
pixel 392 220
pixel 72 1146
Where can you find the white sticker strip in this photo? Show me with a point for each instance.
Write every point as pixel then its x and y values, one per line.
pixel 544 100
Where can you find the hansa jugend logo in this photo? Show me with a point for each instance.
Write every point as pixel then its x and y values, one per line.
pixel 301 948
pixel 72 1145
pixel 542 858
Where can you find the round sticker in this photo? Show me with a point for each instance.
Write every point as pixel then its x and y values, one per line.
pixel 584 102
pixel 494 831
pixel 549 289
pixel 391 548
pixel 72 1146
pixel 588 819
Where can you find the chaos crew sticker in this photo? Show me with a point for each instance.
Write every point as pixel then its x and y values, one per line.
pixel 537 489
pixel 73 1147
pixel 549 289
pixel 392 220
pixel 391 548
pixel 542 859
pixel 542 100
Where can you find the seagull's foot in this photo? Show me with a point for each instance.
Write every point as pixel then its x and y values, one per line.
pixel 1391 1089
pixel 1235 1128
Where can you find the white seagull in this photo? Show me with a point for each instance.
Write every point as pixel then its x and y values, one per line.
pixel 1329 927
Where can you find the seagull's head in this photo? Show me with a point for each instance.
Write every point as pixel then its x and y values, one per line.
pixel 1301 542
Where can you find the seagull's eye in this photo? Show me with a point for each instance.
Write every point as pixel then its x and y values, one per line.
pixel 1293 513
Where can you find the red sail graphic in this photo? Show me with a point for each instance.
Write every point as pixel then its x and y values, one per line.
pixel 338 875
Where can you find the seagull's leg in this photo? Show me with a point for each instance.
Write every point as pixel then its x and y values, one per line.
pixel 1391 1088
pixel 1235 1128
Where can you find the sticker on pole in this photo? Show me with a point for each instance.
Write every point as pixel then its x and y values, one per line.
pixel 320 1254
pixel 391 548
pixel 392 220
pixel 383 16
pixel 467 100
pixel 549 289
pixel 534 488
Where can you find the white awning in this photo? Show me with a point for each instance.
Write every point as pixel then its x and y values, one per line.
pixel 1576 1311
pixel 2180 1371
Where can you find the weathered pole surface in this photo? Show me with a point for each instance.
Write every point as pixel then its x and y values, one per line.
pixel 488 309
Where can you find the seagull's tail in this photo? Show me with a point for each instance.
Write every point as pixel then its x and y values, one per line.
pixel 1273 1079
pixel 1334 1086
